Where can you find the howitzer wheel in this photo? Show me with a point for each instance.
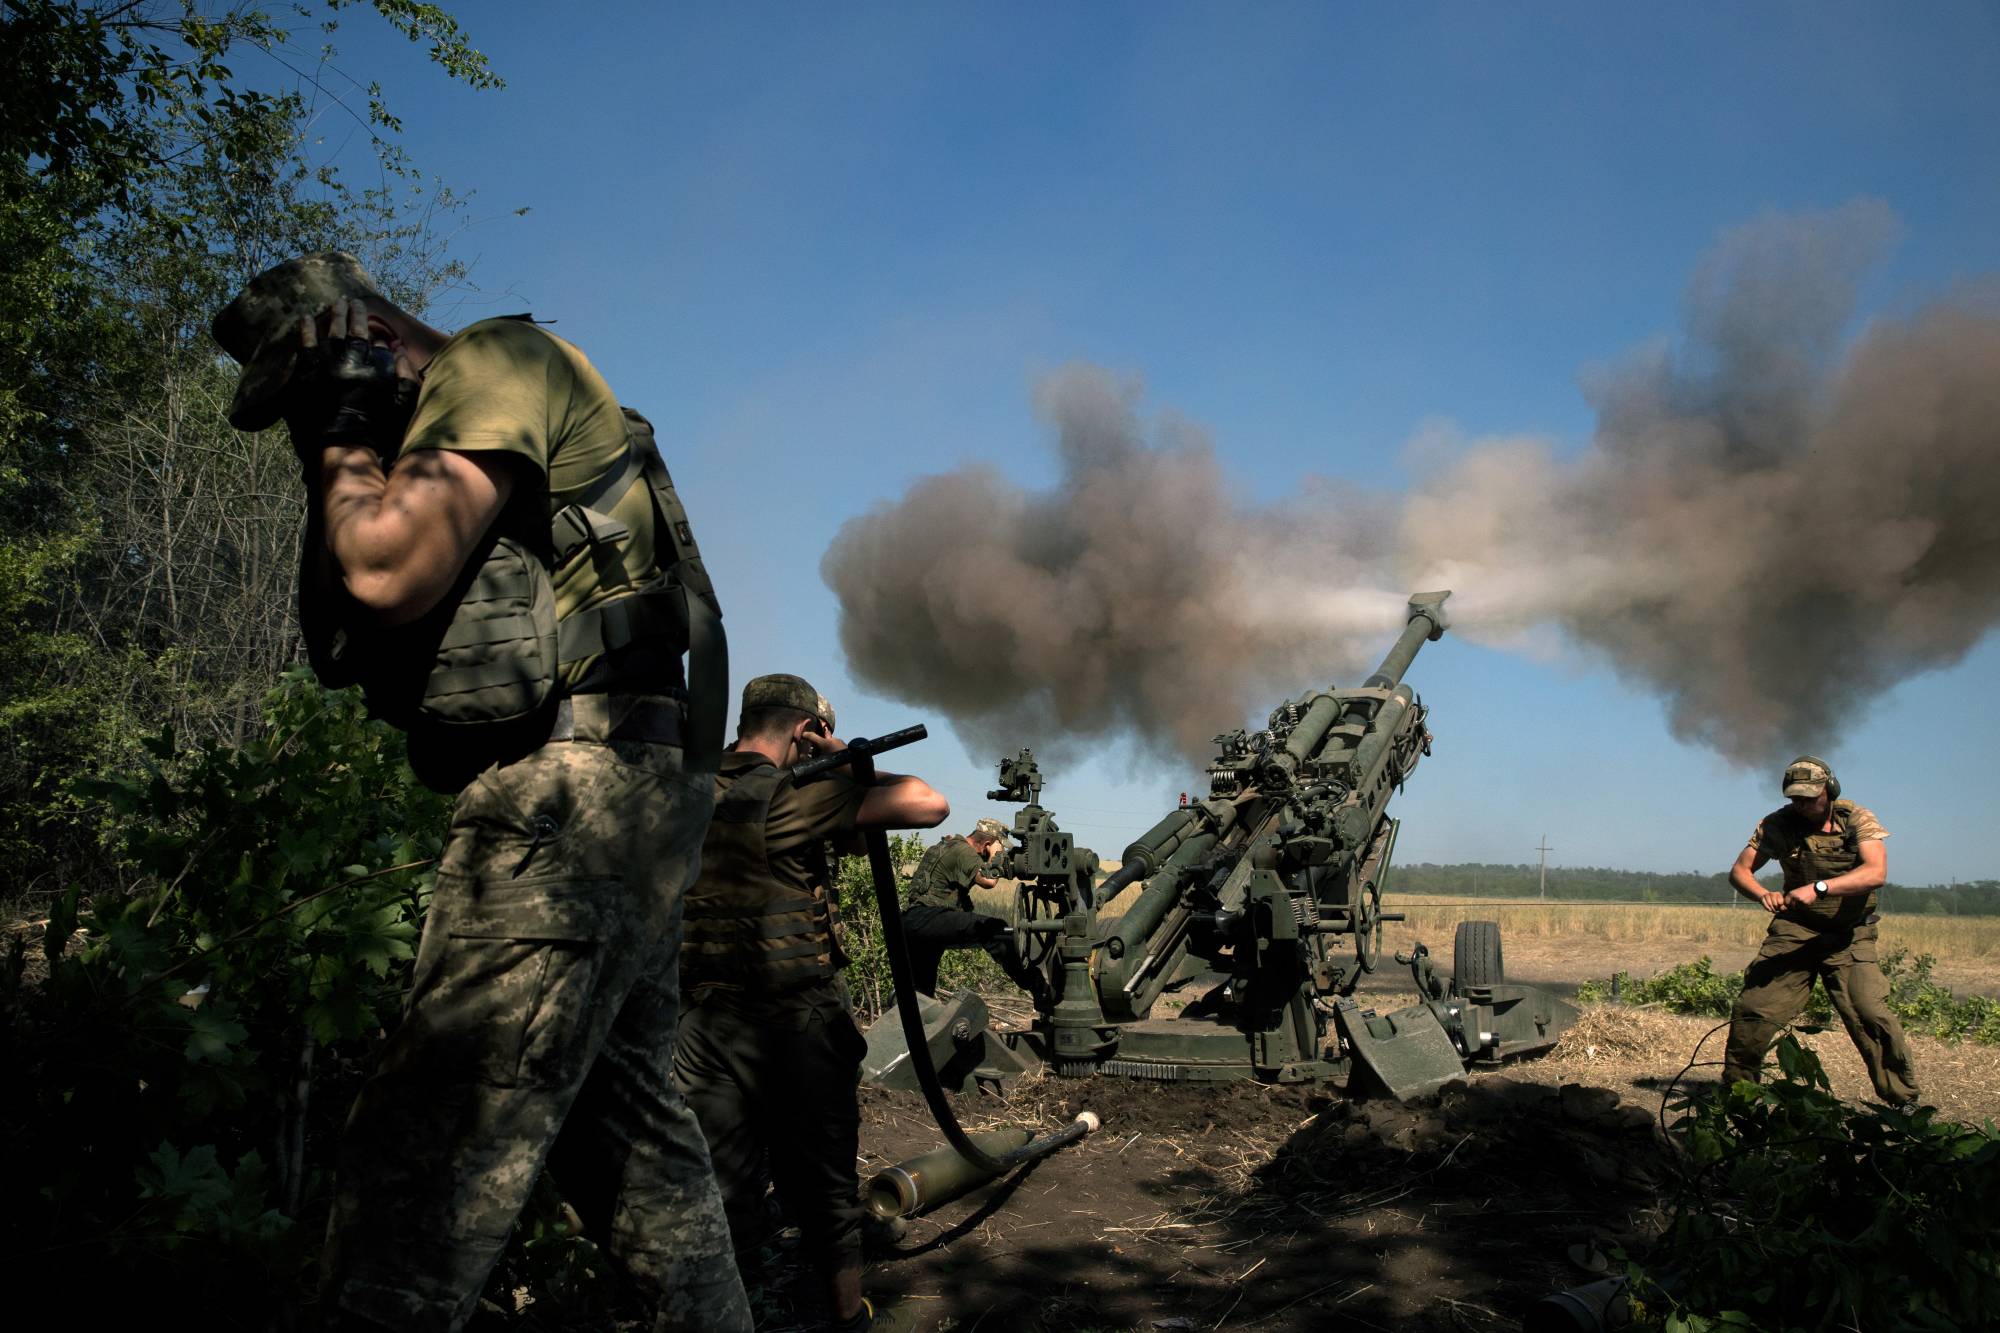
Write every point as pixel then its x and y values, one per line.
pixel 1475 955
pixel 1033 947
pixel 1368 927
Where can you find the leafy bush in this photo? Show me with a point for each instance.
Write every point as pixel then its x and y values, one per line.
pixel 178 1078
pixel 1796 1210
pixel 861 938
pixel 169 1079
pixel 1922 1004
pixel 1934 1010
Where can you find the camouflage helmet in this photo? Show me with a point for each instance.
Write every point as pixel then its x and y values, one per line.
pixel 785 691
pixel 260 328
pixel 1809 775
pixel 990 828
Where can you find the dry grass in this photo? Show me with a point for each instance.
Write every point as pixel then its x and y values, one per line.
pixel 1637 1052
pixel 1962 945
pixel 1964 940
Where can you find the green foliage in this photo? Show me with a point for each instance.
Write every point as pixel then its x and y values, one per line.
pixel 861 935
pixel 164 1072
pixel 91 85
pixel 1690 988
pixel 1934 1010
pixel 1798 1211
pixel 1922 1004
pixel 154 155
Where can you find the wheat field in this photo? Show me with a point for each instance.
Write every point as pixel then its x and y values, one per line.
pixel 1960 940
pixel 1593 939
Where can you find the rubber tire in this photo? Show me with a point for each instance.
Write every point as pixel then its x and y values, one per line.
pixel 1475 954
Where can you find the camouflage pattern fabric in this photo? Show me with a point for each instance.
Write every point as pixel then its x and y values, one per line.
pixel 545 999
pixel 1806 854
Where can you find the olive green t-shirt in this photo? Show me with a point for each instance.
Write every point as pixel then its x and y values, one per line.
pixel 1806 854
pixel 509 386
pixel 801 818
pixel 944 878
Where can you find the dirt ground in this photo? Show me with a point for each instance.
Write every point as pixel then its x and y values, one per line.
pixel 1238 1206
pixel 1234 1206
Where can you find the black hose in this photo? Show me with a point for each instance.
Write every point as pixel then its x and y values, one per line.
pixel 861 753
pixel 913 1025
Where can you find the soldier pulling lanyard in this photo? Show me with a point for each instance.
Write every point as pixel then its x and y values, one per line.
pixel 860 757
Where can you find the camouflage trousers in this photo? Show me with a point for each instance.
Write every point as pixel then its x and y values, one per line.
pixel 1778 983
pixel 545 999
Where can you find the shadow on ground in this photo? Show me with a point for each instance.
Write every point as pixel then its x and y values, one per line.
pixel 1242 1206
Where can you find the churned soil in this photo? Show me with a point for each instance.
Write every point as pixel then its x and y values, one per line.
pixel 1202 1206
pixel 1240 1206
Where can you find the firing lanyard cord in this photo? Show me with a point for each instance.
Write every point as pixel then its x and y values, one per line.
pixel 860 755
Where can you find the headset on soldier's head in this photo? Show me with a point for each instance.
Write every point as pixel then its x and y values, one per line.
pixel 1832 782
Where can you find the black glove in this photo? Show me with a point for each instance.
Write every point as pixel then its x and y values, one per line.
pixel 991 927
pixel 349 393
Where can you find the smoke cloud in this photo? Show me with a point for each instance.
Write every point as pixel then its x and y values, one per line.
pixel 1134 598
pixel 1773 522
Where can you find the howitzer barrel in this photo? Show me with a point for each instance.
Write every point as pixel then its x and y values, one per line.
pixel 1151 849
pixel 1427 622
pixel 1374 747
pixel 1304 740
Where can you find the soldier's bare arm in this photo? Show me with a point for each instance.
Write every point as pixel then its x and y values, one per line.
pixel 1743 878
pixel 401 538
pixel 901 801
pixel 896 801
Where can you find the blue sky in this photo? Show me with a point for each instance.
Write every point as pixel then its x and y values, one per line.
pixel 829 249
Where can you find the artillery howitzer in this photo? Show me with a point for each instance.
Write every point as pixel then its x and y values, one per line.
pixel 1261 905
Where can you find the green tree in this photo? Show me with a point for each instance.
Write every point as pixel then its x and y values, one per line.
pixel 145 567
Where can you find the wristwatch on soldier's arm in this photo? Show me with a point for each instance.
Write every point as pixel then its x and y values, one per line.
pixel 1819 888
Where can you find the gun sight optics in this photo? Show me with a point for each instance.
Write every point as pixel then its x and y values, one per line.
pixel 1020 780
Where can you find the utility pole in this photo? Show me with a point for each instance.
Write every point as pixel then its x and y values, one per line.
pixel 1544 848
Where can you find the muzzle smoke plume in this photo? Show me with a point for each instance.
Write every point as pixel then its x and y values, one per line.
pixel 1767 528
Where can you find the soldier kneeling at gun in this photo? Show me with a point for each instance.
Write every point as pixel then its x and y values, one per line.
pixel 938 912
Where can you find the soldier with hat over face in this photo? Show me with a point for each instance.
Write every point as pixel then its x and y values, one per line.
pixel 1822 925
pixel 769 1053
pixel 546 991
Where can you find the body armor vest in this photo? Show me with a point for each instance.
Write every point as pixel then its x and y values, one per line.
pixel 1817 855
pixel 748 922
pixel 476 680
pixel 928 887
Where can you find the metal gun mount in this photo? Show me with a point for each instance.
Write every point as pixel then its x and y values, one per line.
pixel 1261 907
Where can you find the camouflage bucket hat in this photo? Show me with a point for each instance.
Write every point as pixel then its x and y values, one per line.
pixel 1806 777
pixel 260 328
pixel 990 828
pixel 783 691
